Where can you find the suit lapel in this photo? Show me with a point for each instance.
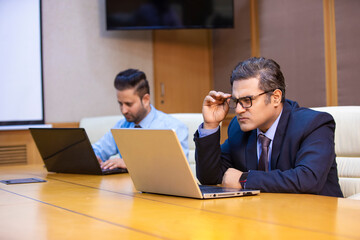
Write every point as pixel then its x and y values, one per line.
pixel 251 152
pixel 280 134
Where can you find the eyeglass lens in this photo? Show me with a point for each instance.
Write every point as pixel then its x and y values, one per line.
pixel 244 102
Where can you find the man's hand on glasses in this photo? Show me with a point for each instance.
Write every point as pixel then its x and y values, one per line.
pixel 215 108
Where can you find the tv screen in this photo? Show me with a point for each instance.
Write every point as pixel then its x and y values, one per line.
pixel 169 14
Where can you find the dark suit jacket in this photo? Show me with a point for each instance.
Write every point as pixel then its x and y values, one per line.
pixel 302 159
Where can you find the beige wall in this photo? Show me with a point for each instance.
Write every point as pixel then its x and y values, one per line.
pixel 81 59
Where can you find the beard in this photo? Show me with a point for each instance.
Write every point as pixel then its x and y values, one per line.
pixel 136 118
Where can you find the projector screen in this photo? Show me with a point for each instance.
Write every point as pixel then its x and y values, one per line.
pixel 21 88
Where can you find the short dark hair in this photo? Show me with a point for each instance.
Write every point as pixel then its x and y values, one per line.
pixel 266 70
pixel 132 78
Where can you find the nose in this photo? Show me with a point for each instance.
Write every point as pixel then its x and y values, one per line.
pixel 124 109
pixel 239 109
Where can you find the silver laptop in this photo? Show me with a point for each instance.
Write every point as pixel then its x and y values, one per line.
pixel 157 164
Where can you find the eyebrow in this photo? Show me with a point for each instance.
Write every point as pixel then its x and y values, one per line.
pixel 127 103
pixel 248 96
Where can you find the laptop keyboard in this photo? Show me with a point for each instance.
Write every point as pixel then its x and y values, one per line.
pixel 114 170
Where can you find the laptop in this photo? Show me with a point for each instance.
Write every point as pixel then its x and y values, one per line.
pixel 157 164
pixel 68 150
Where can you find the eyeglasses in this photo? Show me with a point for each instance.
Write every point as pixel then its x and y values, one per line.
pixel 245 102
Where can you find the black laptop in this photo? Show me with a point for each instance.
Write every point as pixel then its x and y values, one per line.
pixel 68 150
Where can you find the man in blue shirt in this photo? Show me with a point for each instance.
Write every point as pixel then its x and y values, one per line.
pixel 133 95
pixel 273 144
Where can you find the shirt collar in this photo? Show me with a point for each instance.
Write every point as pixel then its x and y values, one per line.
pixel 145 123
pixel 270 133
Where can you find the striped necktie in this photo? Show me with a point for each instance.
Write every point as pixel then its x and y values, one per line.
pixel 264 159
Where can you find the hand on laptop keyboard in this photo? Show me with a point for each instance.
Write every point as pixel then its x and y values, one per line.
pixel 112 163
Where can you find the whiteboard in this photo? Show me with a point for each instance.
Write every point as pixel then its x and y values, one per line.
pixel 21 88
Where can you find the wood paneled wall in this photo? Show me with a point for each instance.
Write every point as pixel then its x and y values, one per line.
pixel 182 69
pixel 315 43
pixel 347 51
pixel 11 141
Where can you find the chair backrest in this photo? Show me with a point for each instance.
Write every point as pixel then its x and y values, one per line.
pixel 96 127
pixel 347 146
pixel 192 121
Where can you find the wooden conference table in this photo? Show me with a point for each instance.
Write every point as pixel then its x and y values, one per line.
pixel 72 206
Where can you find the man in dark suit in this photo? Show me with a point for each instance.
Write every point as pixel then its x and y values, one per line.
pixel 273 144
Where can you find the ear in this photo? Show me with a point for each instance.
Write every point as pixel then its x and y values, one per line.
pixel 146 100
pixel 276 97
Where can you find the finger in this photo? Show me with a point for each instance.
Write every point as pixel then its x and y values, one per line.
pixel 219 94
pixel 228 100
pixel 227 95
pixel 120 163
pixel 212 92
pixel 224 179
pixel 112 166
pixel 106 164
pixel 208 100
pixel 102 164
pixel 211 100
pixel 215 95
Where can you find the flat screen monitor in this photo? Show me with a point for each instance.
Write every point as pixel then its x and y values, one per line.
pixel 169 14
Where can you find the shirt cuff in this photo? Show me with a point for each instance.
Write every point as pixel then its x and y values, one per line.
pixel 206 132
pixel 243 179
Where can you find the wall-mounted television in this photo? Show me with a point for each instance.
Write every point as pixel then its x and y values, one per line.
pixel 169 14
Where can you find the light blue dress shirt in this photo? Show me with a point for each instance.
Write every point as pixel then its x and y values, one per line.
pixel 106 146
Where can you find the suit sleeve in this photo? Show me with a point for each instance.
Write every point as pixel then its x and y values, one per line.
pixel 314 156
pixel 212 160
